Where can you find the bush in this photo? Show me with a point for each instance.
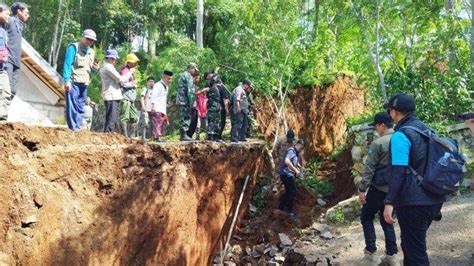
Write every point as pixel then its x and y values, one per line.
pixel 337 217
pixel 323 187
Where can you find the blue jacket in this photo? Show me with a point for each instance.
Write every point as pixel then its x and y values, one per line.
pixel 407 147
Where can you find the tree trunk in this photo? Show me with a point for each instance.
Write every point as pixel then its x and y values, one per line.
pixel 316 17
pixel 199 23
pixel 373 58
pixel 152 39
pixel 54 42
pixel 58 47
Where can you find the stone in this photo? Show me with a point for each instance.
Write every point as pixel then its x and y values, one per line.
pixel 285 240
pixel 259 248
pixel 356 153
pixel 321 202
pixel 252 208
pixel 248 250
pixel 327 235
pixel 229 263
pixel 237 250
pixel 279 258
pixel 273 263
pixel 238 238
pixel 321 228
pixel 256 255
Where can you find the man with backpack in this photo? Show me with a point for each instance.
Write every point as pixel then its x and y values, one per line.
pixel 5 92
pixel 79 62
pixel 423 172
pixel 375 183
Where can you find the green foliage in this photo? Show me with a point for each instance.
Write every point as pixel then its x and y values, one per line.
pixel 337 217
pixel 310 179
pixel 261 192
pixel 365 117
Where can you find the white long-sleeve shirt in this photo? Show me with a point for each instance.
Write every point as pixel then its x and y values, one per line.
pixel 111 80
pixel 158 98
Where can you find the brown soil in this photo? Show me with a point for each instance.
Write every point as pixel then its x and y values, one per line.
pixel 317 115
pixel 85 198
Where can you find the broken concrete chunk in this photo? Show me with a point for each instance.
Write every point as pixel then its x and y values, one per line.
pixel 321 228
pixel 327 235
pixel 285 240
pixel 252 208
pixel 279 258
pixel 229 263
pixel 248 250
pixel 321 202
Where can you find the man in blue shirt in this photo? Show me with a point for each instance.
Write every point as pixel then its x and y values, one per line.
pixel 78 64
pixel 289 170
pixel 416 208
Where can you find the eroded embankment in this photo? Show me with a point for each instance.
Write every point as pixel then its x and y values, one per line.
pixel 85 198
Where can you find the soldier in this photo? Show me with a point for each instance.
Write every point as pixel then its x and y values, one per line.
pixel 213 111
pixel 185 98
pixel 250 122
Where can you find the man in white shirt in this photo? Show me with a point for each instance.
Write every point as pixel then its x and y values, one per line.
pixel 143 122
pixel 156 105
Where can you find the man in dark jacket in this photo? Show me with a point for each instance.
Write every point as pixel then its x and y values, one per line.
pixel 416 208
pixel 14 28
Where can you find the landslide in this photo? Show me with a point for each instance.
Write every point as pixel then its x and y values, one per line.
pixel 79 198
pixel 316 114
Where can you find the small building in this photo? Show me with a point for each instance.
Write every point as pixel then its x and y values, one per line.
pixel 40 93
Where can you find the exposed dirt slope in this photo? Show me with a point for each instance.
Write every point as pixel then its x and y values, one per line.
pixel 318 115
pixel 84 198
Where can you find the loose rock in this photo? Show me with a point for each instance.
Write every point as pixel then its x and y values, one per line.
pixel 327 235
pixel 321 202
pixel 285 240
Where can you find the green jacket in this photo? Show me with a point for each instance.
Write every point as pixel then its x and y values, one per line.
pixel 377 158
pixel 185 95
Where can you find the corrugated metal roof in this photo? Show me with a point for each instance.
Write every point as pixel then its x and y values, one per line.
pixel 43 70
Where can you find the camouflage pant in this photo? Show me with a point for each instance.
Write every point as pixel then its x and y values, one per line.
pixel 214 122
pixel 184 117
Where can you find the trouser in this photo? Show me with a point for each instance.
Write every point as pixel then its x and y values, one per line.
pixel 375 204
pixel 214 123
pixel 287 200
pixel 239 126
pixel 111 115
pixel 184 118
pixel 128 118
pixel 202 125
pixel 193 123
pixel 13 75
pixel 5 95
pixel 414 223
pixel 75 101
pixel 222 121
pixel 157 121
pixel 143 124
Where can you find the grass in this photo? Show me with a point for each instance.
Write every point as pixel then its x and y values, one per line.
pixel 338 217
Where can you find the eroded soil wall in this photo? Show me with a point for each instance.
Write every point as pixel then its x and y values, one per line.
pixel 97 199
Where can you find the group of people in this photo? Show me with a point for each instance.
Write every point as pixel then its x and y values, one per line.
pixel 390 182
pixel 203 108
pixel 11 28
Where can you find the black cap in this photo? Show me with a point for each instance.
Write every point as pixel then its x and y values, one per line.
pixel 168 73
pixel 401 102
pixel 301 142
pixel 382 118
pixel 247 82
pixel 465 116
pixel 290 135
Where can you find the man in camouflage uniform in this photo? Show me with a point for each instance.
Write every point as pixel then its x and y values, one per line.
pixel 186 100
pixel 250 121
pixel 213 111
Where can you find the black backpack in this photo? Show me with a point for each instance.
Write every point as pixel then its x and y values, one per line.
pixel 445 166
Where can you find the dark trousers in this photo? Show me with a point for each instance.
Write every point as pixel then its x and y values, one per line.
pixel 374 204
pixel 111 115
pixel 75 101
pixel 193 124
pixel 13 74
pixel 239 127
pixel 222 123
pixel 287 200
pixel 414 223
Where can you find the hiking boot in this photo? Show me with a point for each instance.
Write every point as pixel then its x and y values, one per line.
pixel 391 260
pixel 371 259
pixel 185 137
